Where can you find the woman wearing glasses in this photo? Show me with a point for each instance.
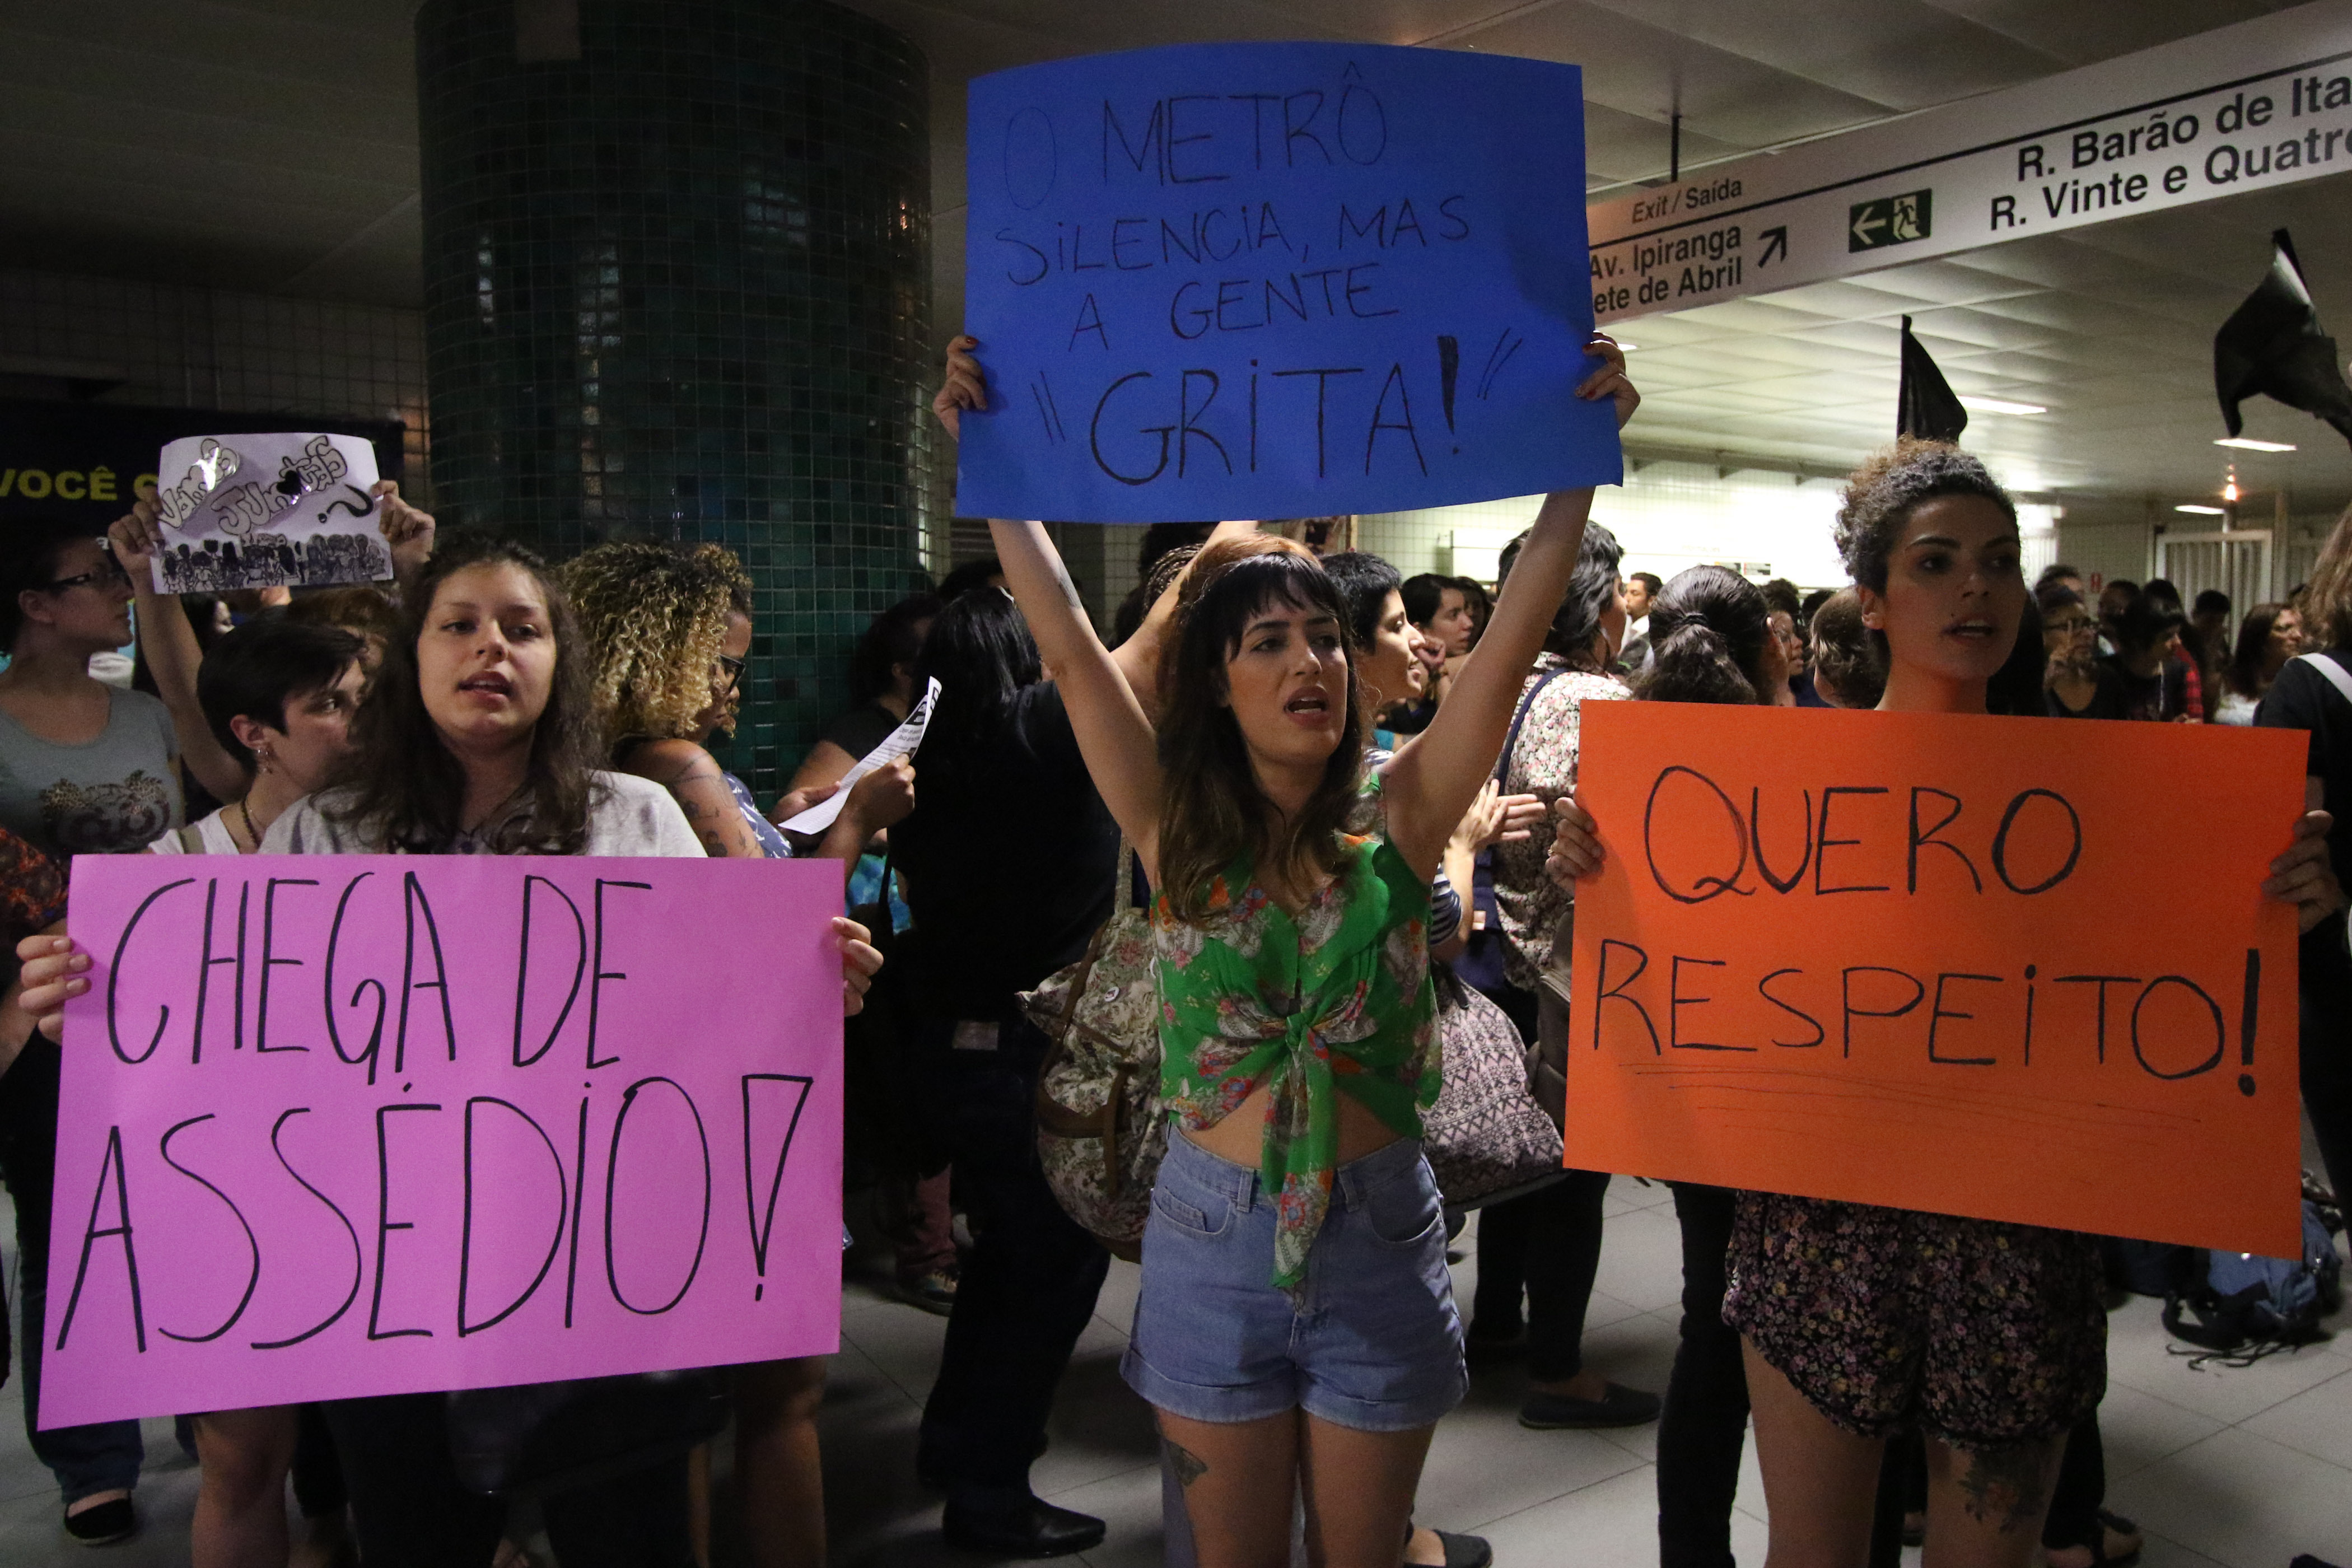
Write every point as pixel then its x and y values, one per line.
pixel 2079 683
pixel 85 768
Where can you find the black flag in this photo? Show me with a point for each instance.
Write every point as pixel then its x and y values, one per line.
pixel 1925 406
pixel 2273 343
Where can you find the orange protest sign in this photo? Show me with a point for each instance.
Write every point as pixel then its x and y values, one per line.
pixel 2015 969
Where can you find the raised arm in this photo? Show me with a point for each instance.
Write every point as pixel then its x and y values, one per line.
pixel 1113 729
pixel 1114 735
pixel 1435 776
pixel 172 654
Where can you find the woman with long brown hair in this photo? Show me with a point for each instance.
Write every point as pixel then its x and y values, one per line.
pixel 479 737
pixel 1296 1330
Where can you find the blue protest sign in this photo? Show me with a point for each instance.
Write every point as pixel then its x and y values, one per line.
pixel 1278 280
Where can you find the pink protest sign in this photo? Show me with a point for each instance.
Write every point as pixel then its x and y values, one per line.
pixel 337 1126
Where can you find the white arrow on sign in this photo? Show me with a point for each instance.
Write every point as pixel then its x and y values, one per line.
pixel 1865 224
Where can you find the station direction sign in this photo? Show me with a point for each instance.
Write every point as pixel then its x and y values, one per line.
pixel 2263 103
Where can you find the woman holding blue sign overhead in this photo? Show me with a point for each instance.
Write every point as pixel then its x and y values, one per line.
pixel 1296 1330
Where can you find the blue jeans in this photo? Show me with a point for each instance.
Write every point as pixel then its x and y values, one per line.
pixel 85 1459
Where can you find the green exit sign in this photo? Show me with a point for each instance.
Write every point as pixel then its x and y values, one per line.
pixel 1890 220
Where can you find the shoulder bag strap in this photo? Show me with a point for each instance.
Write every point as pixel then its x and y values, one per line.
pixel 2334 673
pixel 1511 741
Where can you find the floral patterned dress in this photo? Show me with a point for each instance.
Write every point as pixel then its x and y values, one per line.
pixel 1335 999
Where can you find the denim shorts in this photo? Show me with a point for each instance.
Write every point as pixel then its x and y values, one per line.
pixel 1372 1340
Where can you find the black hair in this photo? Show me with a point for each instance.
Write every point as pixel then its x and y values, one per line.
pixel 2212 601
pixel 971 575
pixel 2146 622
pixel 2131 590
pixel 2162 590
pixel 893 637
pixel 1508 557
pixel 1424 594
pixel 1649 580
pixel 1708 633
pixel 981 653
pixel 2052 597
pixel 2055 574
pixel 407 789
pixel 255 669
pixel 1780 596
pixel 1211 810
pixel 1365 581
pixel 30 552
pixel 1591 589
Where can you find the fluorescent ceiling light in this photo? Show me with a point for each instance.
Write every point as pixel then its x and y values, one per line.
pixel 2000 406
pixel 2247 444
pixel 2201 510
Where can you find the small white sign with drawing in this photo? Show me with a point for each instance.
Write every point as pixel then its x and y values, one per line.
pixel 267 510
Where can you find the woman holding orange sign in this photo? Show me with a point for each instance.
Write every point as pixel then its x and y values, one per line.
pixel 1858 1320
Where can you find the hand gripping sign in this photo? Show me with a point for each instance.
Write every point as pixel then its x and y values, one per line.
pixel 1278 280
pixel 2015 969
pixel 266 511
pixel 337 1126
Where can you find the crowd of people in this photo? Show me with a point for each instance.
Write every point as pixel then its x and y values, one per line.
pixel 1332 815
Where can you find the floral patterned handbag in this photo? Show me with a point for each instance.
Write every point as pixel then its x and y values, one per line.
pixel 1101 1128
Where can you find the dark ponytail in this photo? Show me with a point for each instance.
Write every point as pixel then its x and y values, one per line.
pixel 1709 632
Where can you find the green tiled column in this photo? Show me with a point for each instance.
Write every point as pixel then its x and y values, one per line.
pixel 677 275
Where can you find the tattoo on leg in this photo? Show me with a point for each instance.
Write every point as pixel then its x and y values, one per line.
pixel 1189 1466
pixel 2007 1485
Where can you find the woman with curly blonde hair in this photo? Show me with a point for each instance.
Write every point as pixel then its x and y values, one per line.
pixel 669 626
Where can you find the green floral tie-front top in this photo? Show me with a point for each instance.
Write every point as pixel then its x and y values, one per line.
pixel 1336 997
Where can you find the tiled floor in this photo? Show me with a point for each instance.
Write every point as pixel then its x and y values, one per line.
pixel 2243 1466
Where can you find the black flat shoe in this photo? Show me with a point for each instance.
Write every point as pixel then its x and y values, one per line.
pixel 1620 1407
pixel 108 1524
pixel 1460 1551
pixel 997 1524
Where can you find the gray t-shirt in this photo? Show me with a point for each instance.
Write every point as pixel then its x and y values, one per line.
pixel 627 816
pixel 111 796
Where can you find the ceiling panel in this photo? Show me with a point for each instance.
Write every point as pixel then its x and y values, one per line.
pixel 271 145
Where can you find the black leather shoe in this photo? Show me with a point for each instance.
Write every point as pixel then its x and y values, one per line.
pixel 1620 1407
pixel 995 1523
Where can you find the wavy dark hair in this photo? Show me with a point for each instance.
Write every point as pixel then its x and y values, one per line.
pixel 404 789
pixel 1708 633
pixel 2244 670
pixel 1591 589
pixel 1881 495
pixel 1212 812
pixel 981 652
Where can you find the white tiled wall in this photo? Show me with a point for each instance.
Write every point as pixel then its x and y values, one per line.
pixel 210 348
